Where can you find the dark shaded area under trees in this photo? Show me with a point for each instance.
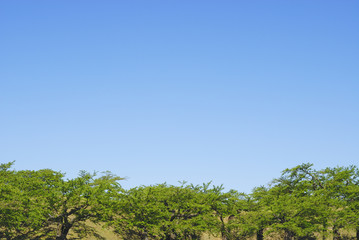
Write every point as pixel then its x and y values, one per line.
pixel 303 203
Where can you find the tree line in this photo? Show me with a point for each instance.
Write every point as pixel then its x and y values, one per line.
pixel 303 203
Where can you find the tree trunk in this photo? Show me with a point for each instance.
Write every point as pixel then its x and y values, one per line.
pixel 357 233
pixel 288 235
pixel 336 234
pixel 260 234
pixel 223 229
pixel 224 237
pixel 63 231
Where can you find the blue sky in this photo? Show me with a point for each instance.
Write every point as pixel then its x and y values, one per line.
pixel 162 91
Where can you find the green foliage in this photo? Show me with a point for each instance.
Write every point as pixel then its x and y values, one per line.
pixel 226 208
pixel 302 203
pixel 162 212
pixel 37 204
pixel 23 205
pixel 84 198
pixel 293 203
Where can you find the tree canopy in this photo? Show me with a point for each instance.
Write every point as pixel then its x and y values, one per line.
pixel 302 203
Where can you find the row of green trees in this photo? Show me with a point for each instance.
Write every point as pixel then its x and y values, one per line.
pixel 302 203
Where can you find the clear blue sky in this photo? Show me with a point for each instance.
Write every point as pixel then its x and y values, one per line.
pixel 162 91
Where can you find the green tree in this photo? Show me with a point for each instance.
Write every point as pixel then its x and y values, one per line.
pixel 341 191
pixel 37 204
pixel 225 207
pixel 162 212
pixel 293 203
pixel 24 208
pixel 257 215
pixel 74 201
